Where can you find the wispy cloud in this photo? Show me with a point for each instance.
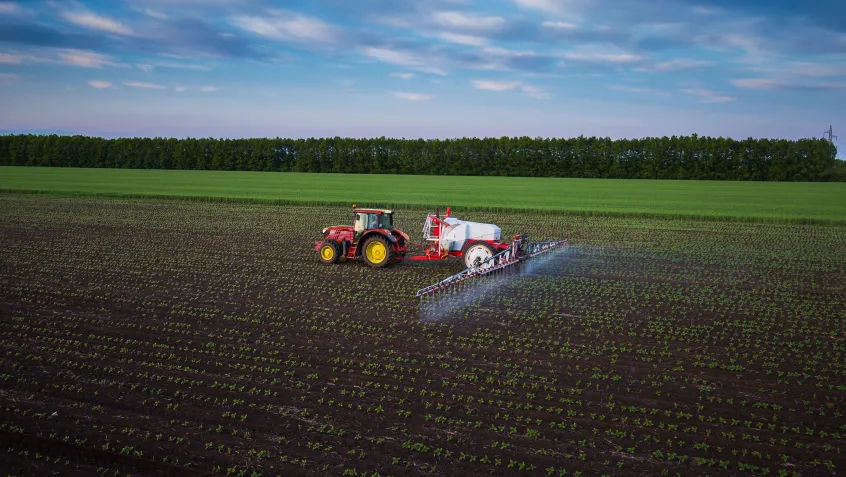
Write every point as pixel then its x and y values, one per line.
pixel 534 92
pixel 100 84
pixel 8 8
pixel 6 78
pixel 680 64
pixel 93 21
pixel 703 10
pixel 289 26
pixel 85 59
pixel 149 67
pixel 412 96
pixel 9 59
pixel 154 14
pixel 559 25
pixel 416 60
pixel 137 84
pixel 461 39
pixel 800 69
pixel 468 21
pixel 404 76
pixel 64 56
pixel 640 90
pixel 771 84
pixel 397 57
pixel 602 54
pixel 209 89
pixel 488 85
pixel 549 6
pixel 499 86
pixel 708 96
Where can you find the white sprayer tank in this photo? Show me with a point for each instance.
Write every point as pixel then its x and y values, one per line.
pixel 454 236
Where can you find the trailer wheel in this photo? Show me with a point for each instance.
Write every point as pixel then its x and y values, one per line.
pixel 476 252
pixel 377 252
pixel 329 252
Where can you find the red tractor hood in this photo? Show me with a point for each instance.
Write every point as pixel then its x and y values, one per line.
pixel 338 228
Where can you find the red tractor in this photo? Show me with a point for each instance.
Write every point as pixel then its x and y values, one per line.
pixel 372 237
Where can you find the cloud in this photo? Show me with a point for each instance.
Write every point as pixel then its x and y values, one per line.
pixel 154 14
pixel 702 10
pixel 209 89
pixel 708 96
pixel 771 84
pixel 100 84
pixel 465 21
pixel 638 90
pixel 93 21
pixel 549 6
pixel 8 59
pixel 676 65
pixel 607 54
pixel 136 84
pixel 194 38
pixel 180 89
pixel 458 38
pixel 8 8
pixel 65 56
pixel 394 56
pixel 499 86
pixel 148 67
pixel 404 76
pixel 801 69
pixel 495 85
pixel 289 26
pixel 84 59
pixel 496 58
pixel 419 61
pixel 6 78
pixel 534 92
pixel 559 25
pixel 412 96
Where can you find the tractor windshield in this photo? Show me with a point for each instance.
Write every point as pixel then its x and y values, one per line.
pixel 387 221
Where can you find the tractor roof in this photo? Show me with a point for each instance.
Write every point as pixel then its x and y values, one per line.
pixel 374 211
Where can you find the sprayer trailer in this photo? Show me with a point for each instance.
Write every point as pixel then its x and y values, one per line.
pixel 373 238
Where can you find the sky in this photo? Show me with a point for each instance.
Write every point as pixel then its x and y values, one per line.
pixel 424 68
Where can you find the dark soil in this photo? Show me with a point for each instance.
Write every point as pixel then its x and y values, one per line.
pixel 182 338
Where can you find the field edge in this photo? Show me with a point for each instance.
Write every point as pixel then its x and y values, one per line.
pixel 469 208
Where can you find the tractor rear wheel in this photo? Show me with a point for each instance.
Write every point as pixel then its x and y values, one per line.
pixel 377 252
pixel 329 252
pixel 476 252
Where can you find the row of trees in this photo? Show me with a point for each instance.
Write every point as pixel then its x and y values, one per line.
pixel 689 157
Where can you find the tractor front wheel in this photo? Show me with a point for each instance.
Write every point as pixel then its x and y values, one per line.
pixel 329 252
pixel 377 252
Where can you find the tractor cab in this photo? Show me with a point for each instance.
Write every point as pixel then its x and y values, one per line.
pixel 369 219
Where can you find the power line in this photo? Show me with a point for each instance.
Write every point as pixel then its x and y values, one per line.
pixel 831 137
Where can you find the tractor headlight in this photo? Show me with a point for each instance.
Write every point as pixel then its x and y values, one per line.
pixel 324 231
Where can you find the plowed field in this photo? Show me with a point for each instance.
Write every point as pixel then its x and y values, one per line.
pixel 154 337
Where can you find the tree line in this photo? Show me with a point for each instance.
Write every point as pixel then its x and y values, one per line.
pixel 685 157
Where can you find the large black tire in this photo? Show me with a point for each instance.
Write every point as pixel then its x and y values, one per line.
pixel 476 251
pixel 377 252
pixel 329 252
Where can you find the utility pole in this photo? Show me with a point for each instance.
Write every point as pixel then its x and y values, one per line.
pixel 831 137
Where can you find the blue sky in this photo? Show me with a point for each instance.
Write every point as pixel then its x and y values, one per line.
pixel 424 68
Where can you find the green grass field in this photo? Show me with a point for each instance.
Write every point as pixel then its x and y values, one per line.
pixel 769 201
